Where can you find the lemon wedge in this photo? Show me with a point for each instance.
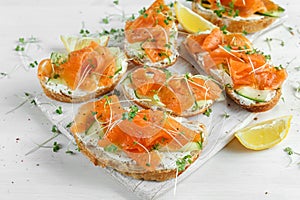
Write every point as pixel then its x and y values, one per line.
pixel 191 21
pixel 73 43
pixel 265 134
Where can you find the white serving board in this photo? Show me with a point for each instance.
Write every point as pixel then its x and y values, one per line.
pixel 221 131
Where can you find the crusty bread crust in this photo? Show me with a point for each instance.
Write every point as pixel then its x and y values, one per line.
pixel 257 107
pixel 71 99
pixel 156 175
pixel 232 24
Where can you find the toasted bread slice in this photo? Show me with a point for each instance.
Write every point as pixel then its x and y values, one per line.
pixel 247 74
pixel 139 147
pixel 151 39
pixel 157 89
pixel 252 105
pixel 91 80
pixel 249 24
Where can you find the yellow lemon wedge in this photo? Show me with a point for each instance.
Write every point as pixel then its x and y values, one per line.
pixel 265 134
pixel 191 21
pixel 73 43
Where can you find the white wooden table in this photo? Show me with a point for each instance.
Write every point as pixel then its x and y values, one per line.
pixel 234 173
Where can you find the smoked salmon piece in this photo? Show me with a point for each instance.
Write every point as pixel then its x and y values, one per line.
pixel 152 31
pixel 243 8
pixel 139 136
pixel 234 54
pixel 177 93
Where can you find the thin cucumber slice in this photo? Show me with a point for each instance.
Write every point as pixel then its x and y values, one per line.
pixel 254 94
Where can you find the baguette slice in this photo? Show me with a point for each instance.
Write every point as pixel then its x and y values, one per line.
pixel 138 148
pixel 249 24
pixel 83 74
pixel 151 39
pixel 182 95
pixel 248 75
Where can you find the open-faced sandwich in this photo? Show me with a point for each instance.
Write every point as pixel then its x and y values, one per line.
pixel 183 95
pixel 249 77
pixel 239 15
pixel 151 38
pixel 82 74
pixel 143 144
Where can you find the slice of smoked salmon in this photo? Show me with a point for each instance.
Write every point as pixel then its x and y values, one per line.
pixel 204 89
pixel 143 79
pixel 84 118
pixel 241 73
pixel 139 136
pixel 213 40
pixel 270 79
pixel 88 68
pixel 176 95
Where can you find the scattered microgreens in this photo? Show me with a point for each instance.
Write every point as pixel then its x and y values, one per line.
pixel 116 2
pixel 145 118
pixel 43 143
pixel 94 113
pixel 131 114
pixel 290 153
pixel 297 68
pixel 226 115
pixel 279 67
pixel 224 29
pixel 231 11
pixel 115 33
pixel 283 100
pixel 221 9
pixel 181 163
pixel 69 124
pixel 3 74
pixel 28 98
pixel 132 17
pixel 143 12
pixel 161 54
pixel 288 150
pixel 84 32
pixel 22 42
pixel 227 48
pixel 54 129
pixel 59 110
pixel 207 112
pixel 289 29
pixel 58 58
pixel 245 32
pixel 56 147
pixel 70 152
pixel 111 148
pixel 269 40
pixel 33 64
pixel 155 146
pixel 105 20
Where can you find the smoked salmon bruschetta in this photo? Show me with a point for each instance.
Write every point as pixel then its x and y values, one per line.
pixel 151 38
pixel 239 15
pixel 82 74
pixel 182 95
pixel 249 77
pixel 143 144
